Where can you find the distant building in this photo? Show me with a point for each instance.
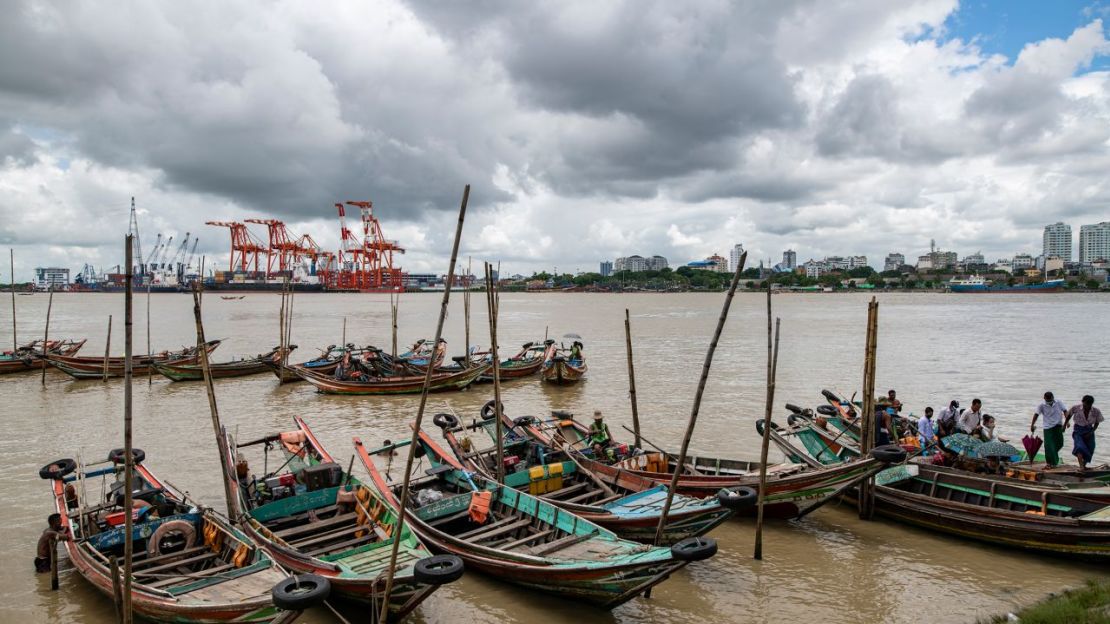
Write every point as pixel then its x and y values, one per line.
pixel 734 256
pixel 836 263
pixel 702 265
pixel 48 277
pixel 973 261
pixel 894 262
pixel 1094 242
pixel 1003 265
pixel 1057 241
pixel 790 259
pixel 1052 263
pixel 814 269
pixel 855 262
pixel 655 263
pixel 720 263
pixel 1023 261
pixel 420 280
pixel 636 264
pixel 606 268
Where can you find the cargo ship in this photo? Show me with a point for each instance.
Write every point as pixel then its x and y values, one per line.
pixel 977 284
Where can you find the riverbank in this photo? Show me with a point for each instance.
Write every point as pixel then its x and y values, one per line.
pixel 1089 604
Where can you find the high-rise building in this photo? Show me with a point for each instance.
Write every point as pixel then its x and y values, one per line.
pixel 790 259
pixel 1057 241
pixel 855 262
pixel 635 264
pixel 606 268
pixel 720 263
pixel 48 277
pixel 1023 261
pixel 734 256
pixel 1094 242
pixel 894 261
pixel 655 263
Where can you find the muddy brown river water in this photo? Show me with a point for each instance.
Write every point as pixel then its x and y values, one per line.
pixel 829 567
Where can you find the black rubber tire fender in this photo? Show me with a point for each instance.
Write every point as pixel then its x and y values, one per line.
pixel 792 420
pixel 523 421
pixel 694 549
pixel 889 454
pixel 830 395
pixel 116 455
pixel 438 569
pixel 57 469
pixel 445 421
pixel 794 408
pixel 488 412
pixel 300 592
pixel 737 498
pixel 828 410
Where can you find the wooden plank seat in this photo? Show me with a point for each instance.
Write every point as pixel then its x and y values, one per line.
pixel 508 528
pixel 524 540
pixel 191 578
pixel 287 521
pixel 177 564
pixel 446 519
pixel 314 526
pixel 561 493
pixel 347 545
pixel 559 544
pixel 139 564
pixel 487 526
pixel 322 538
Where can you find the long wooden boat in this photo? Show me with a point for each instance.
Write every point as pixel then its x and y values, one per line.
pixel 30 356
pixel 422 353
pixel 793 489
pixel 521 539
pixel 625 503
pixel 312 517
pixel 325 364
pixel 408 384
pixel 190 564
pixel 93 367
pixel 561 369
pixel 220 370
pixel 989 511
pixel 527 362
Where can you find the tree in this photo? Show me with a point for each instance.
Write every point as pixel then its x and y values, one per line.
pixel 862 271
pixel 876 281
pixel 1092 284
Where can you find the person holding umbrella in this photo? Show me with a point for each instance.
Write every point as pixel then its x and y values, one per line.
pixel 1086 418
pixel 1051 412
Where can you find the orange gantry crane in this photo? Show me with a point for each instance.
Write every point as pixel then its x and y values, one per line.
pixel 283 251
pixel 366 263
pixel 245 248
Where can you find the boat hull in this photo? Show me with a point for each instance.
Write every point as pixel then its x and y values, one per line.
pixel 562 372
pixel 94 368
pixel 1051 286
pixel 443 382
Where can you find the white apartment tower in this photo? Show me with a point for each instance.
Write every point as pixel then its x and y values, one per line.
pixel 1057 241
pixel 1094 242
pixel 734 256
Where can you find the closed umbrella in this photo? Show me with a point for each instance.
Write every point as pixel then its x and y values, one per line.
pixel 1032 445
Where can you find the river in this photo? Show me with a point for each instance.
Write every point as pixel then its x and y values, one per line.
pixel 829 567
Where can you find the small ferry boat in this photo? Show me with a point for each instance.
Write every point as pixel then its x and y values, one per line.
pixel 979 284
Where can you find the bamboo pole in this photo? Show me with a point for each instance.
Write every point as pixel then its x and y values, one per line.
pixel 107 346
pixel 117 593
pixel 415 440
pixel 46 333
pixel 288 327
pixel 466 309
pixel 866 500
pixel 772 370
pixel 394 305
pixel 344 340
pixel 631 378
pixel 128 458
pixel 206 368
pixel 491 304
pixel 281 335
pixel 149 369
pixel 15 339
pixel 53 564
pixel 697 399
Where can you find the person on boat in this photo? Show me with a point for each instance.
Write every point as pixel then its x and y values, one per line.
pixel 946 422
pixel 885 422
pixel 53 533
pixel 344 366
pixel 576 351
pixel 1086 418
pixel 1051 411
pixel 599 436
pixel 988 433
pixel 971 420
pixel 925 429
pixel 891 401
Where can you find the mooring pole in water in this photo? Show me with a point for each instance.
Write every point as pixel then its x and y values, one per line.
pixel 107 346
pixel 415 440
pixel 149 369
pixel 288 328
pixel 394 305
pixel 128 458
pixel 117 593
pixel 217 428
pixel 15 339
pixel 466 309
pixel 697 399
pixel 772 369
pixel 46 333
pixel 344 340
pixel 866 497
pixel 491 305
pixel 631 378
pixel 53 564
pixel 281 335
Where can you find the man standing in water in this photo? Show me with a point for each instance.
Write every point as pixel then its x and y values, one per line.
pixel 1086 418
pixel 1051 412
pixel 53 533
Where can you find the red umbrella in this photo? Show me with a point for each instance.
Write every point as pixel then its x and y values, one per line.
pixel 1032 445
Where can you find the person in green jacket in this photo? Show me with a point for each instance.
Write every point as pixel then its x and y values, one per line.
pixel 599 436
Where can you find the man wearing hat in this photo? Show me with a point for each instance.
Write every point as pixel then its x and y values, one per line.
pixel 599 436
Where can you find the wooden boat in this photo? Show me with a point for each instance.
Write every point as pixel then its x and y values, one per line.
pixel 231 297
pixel 408 384
pixel 220 370
pixel 422 353
pixel 562 367
pixel 527 362
pixel 993 512
pixel 325 364
pixel 625 503
pixel 30 356
pixel 312 517
pixel 190 564
pixel 93 367
pixel 524 540
pixel 793 489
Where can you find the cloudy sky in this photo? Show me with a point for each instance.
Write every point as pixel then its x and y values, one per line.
pixel 587 129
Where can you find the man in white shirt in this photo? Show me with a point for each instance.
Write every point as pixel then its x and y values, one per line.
pixel 925 429
pixel 971 419
pixel 946 422
pixel 1051 413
